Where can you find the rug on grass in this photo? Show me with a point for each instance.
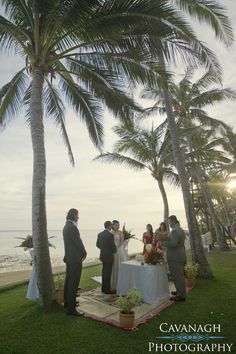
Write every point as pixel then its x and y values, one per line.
pixel 102 308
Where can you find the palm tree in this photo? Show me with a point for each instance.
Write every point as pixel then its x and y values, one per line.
pixel 214 15
pixel 81 51
pixel 140 149
pixel 205 157
pixel 189 100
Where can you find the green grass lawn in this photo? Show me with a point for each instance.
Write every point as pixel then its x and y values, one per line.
pixel 26 329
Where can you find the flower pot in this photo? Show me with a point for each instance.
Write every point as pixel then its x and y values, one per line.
pixel 190 283
pixel 60 295
pixel 127 320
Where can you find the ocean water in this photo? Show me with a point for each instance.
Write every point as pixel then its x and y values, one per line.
pixel 14 258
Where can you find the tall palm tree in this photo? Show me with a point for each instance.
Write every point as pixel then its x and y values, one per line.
pixel 189 100
pixel 81 51
pixel 140 149
pixel 205 157
pixel 214 15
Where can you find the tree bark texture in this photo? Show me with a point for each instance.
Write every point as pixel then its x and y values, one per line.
pixel 197 249
pixel 39 219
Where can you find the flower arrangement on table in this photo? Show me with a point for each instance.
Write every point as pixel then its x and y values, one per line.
pixel 27 242
pixel 153 254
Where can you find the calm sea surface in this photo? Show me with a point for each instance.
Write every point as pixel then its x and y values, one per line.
pixel 14 258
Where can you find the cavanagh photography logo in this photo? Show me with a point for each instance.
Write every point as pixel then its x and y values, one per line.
pixel 191 338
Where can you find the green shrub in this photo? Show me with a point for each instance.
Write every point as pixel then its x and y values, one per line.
pixel 129 301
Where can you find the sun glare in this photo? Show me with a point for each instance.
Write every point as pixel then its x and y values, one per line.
pixel 232 184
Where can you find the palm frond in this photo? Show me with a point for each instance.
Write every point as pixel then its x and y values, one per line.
pixel 19 12
pixel 86 105
pixel 106 84
pixel 13 36
pixel 152 111
pixel 120 159
pixel 206 120
pixel 26 101
pixel 213 96
pixel 55 109
pixel 64 19
pixel 172 178
pixel 205 81
pixel 212 13
pixel 11 96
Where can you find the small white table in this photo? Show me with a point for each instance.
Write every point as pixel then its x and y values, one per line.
pixel 151 280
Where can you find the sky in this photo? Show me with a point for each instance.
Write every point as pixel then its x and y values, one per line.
pixel 98 190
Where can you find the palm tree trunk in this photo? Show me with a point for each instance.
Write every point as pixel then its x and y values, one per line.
pixel 207 197
pixel 164 198
pixel 219 233
pixel 39 220
pixel 225 211
pixel 198 253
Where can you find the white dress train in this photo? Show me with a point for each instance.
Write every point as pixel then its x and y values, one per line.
pixel 32 291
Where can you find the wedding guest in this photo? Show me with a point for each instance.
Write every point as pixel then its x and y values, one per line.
pixel 33 291
pixel 148 236
pixel 161 234
pixel 176 258
pixel 75 254
pixel 119 256
pixel 106 244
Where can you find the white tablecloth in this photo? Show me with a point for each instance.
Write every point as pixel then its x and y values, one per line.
pixel 151 280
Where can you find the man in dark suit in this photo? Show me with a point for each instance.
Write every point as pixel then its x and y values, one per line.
pixel 75 253
pixel 105 242
pixel 176 258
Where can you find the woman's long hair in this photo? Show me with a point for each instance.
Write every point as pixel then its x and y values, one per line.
pixel 164 226
pixel 151 229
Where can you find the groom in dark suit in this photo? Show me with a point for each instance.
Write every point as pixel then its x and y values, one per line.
pixel 106 244
pixel 75 253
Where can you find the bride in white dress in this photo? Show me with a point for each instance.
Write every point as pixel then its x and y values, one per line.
pixel 120 255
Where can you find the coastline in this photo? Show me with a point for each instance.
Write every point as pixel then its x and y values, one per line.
pixel 13 278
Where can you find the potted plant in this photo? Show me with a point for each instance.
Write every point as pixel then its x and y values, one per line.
pixel 190 272
pixel 126 304
pixel 59 280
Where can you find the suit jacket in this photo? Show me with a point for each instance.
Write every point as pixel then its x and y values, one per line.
pixel 106 243
pixel 74 248
pixel 175 245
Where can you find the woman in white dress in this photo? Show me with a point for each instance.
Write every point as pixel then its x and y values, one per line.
pixel 120 255
pixel 32 291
